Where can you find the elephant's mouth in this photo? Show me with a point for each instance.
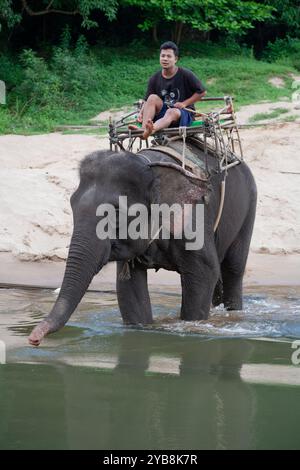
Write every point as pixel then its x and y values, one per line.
pixel 127 249
pixel 117 253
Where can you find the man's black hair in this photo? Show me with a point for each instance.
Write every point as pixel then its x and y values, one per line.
pixel 170 45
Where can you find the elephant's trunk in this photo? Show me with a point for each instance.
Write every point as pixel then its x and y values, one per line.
pixel 86 257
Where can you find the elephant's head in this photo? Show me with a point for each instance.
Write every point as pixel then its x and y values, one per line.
pixel 104 177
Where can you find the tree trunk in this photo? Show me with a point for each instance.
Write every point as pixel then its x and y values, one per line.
pixel 44 30
pixel 178 32
pixel 154 33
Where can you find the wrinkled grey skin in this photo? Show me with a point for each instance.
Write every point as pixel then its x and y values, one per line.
pixel 213 274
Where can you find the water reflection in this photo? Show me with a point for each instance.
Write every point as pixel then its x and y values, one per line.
pixel 145 390
pixel 98 385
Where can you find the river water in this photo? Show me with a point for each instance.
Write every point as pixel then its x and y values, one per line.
pixel 231 382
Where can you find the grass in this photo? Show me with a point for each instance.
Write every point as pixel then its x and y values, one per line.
pixel 270 115
pixel 71 89
pixel 291 118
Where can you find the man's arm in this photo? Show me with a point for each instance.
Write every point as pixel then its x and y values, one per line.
pixel 194 88
pixel 193 99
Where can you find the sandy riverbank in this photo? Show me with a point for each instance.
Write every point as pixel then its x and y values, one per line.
pixel 262 270
pixel 39 173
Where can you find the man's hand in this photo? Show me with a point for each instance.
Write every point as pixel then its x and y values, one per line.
pixel 179 105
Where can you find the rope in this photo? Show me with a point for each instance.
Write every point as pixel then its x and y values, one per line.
pixel 205 147
pixel 125 274
pixel 182 133
pixel 223 183
pixel 155 235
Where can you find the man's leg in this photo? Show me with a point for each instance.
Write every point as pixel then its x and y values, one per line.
pixel 152 107
pixel 172 115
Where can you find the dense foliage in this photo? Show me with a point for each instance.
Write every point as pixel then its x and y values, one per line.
pixel 73 84
pixel 36 21
pixel 64 61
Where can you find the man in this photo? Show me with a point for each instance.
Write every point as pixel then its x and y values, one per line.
pixel 170 91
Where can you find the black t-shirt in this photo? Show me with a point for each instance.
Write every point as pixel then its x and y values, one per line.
pixel 178 88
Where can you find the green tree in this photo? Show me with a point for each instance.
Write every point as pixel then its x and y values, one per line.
pixel 287 15
pixel 11 11
pixel 235 16
pixel 7 14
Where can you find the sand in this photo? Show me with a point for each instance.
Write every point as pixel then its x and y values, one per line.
pixel 39 173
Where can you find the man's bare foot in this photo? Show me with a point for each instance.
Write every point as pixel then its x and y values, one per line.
pixel 149 129
pixel 132 127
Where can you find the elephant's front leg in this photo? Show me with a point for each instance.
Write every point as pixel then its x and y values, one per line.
pixel 197 290
pixel 133 296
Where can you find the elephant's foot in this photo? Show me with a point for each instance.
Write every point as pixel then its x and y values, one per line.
pixel 194 315
pixel 233 304
pixel 38 333
pixel 232 290
pixel 218 294
pixel 135 322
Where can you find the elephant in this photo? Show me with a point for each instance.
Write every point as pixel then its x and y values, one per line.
pixel 209 276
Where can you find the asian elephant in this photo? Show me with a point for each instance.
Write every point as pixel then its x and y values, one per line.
pixel 210 275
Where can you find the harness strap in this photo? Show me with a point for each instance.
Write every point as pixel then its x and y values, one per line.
pixel 182 132
pixel 174 154
pixel 217 221
pixel 125 274
pixel 140 154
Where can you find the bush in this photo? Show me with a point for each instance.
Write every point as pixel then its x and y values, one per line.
pixel 283 50
pixel 40 85
pixel 73 85
pixel 10 71
pixel 76 71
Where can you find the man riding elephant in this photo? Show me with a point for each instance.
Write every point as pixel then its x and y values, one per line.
pixel 170 92
pixel 209 275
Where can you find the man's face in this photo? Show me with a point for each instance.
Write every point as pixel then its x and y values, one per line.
pixel 167 58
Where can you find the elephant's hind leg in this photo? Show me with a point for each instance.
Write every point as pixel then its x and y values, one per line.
pixel 133 296
pixel 232 276
pixel 218 293
pixel 234 264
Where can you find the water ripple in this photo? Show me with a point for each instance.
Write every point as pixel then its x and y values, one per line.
pixel 268 312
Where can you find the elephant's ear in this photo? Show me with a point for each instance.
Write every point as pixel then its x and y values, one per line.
pixel 173 184
pixel 179 189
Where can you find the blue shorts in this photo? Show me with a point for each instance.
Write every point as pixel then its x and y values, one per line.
pixel 185 120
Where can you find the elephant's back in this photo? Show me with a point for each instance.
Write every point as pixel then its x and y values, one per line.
pixel 193 155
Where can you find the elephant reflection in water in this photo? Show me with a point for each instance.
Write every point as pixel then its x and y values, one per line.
pixel 168 397
pixel 150 391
